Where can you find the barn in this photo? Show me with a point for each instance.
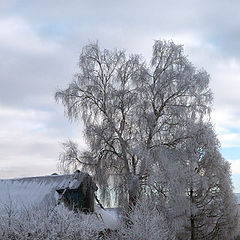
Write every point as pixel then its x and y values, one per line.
pixel 76 191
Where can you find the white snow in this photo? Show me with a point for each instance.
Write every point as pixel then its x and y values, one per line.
pixel 108 219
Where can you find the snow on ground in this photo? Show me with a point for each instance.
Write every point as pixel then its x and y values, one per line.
pixel 109 220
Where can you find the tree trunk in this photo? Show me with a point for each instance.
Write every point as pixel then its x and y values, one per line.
pixel 133 191
pixel 192 222
pixel 192 228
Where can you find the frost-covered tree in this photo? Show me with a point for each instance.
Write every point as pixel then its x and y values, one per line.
pixel 212 206
pixel 148 131
pixel 192 187
pixel 129 107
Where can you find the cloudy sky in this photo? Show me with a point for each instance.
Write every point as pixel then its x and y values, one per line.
pixel 40 42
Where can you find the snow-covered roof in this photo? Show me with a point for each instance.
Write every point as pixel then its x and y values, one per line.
pixel 36 191
pixel 22 193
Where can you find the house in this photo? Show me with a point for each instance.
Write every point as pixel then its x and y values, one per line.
pixel 76 191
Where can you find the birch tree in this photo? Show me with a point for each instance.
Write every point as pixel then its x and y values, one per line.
pixel 148 131
pixel 128 107
pixel 104 95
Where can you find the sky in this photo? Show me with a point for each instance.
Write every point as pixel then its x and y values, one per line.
pixel 40 43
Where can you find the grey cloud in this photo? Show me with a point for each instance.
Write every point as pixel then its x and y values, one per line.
pixel 42 55
pixel 78 21
pixel 23 75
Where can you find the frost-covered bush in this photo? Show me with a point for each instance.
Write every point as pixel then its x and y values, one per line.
pixel 145 221
pixel 58 223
